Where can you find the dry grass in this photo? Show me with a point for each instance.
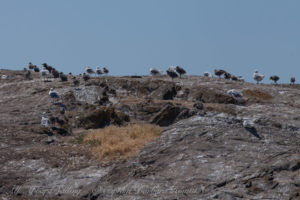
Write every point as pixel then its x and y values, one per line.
pixel 114 143
pixel 257 94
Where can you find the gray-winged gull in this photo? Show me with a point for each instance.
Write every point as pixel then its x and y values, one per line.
pixel 257 76
pixel 99 71
pixel 53 94
pixel 249 126
pixel 45 121
pixel 207 74
pixel 89 70
pixel 172 72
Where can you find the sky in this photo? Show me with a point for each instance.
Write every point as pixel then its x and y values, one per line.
pixel 130 36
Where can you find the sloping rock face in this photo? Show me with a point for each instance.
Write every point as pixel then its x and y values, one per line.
pixel 210 157
pixel 169 113
pixel 103 117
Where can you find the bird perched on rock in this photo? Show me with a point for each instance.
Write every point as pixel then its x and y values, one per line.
pixel 55 73
pixel 99 71
pixel 172 73
pixel 257 76
pixel 4 77
pixel 249 126
pixel 89 70
pixel 105 71
pixel 63 77
pixel 180 71
pixel 293 79
pixel 274 78
pixel 45 121
pixel 207 74
pixel 227 75
pixel 219 72
pixel 85 77
pixel 235 93
pixel 154 72
pixel 31 66
pixel 36 69
pixel 53 94
pixel 76 82
pixel 47 67
pixel 234 78
pixel 44 72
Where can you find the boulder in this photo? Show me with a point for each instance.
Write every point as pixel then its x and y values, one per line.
pixel 166 92
pixel 207 95
pixel 102 117
pixel 170 113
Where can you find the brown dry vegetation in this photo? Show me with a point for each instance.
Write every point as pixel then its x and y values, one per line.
pixel 222 108
pixel 258 95
pixel 114 143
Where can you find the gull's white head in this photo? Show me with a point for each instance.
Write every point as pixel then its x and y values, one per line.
pixel 246 122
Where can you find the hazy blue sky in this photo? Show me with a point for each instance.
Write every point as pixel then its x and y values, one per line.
pixel 130 36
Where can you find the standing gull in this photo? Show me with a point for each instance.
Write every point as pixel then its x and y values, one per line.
pixel 219 72
pixel 293 80
pixel 89 70
pixel 274 78
pixel 105 71
pixel 257 76
pixel 172 73
pixel 45 121
pixel 180 71
pixel 44 72
pixel 99 71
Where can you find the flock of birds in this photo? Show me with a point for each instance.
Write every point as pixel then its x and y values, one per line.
pixel 175 72
pixel 48 71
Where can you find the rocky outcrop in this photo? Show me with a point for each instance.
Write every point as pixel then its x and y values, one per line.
pixel 170 113
pixel 207 95
pixel 102 117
